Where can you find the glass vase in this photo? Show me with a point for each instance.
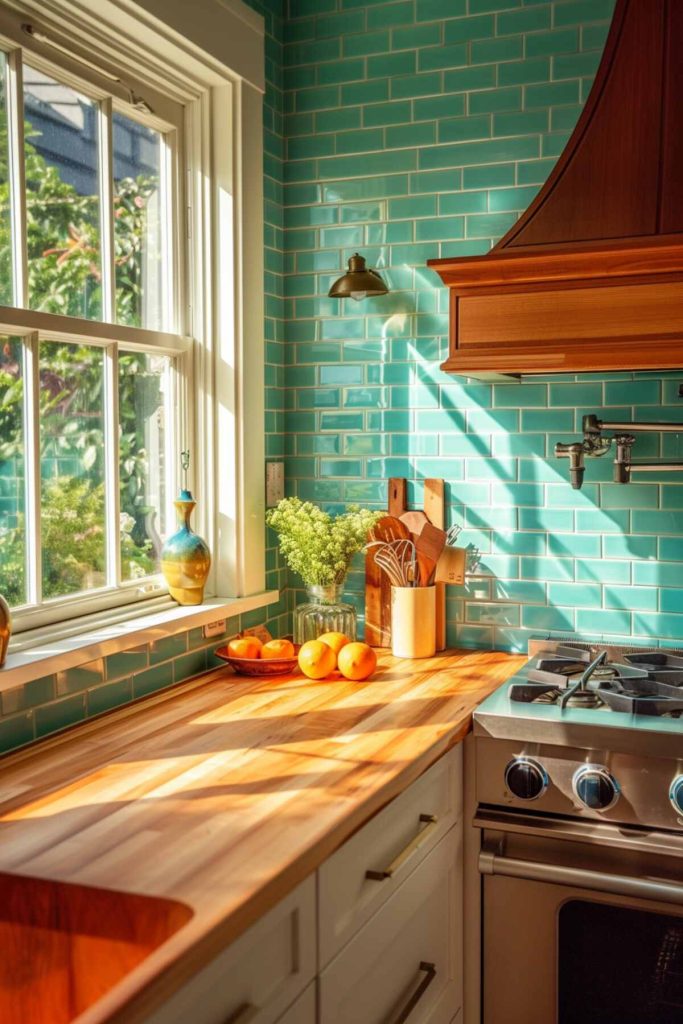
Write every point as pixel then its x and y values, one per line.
pixel 324 612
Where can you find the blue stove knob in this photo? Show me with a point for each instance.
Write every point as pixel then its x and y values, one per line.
pixel 595 787
pixel 676 794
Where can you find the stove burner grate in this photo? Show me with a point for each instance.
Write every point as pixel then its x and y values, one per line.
pixel 645 683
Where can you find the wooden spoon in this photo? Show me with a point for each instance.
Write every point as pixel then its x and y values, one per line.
pixel 415 521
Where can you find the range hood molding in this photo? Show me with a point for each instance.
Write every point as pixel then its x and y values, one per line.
pixel 591 276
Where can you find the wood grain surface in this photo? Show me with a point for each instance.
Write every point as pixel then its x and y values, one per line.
pixel 222 795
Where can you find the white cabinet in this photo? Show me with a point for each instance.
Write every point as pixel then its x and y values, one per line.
pixel 374 937
pixel 303 1011
pixel 259 976
pixel 406 962
pixel 365 872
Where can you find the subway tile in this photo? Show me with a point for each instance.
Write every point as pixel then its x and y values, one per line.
pixel 537 617
pixel 463 30
pixel 422 84
pixel 388 15
pixel 441 57
pixel 188 665
pixel 16 732
pixel 665 624
pixel 125 662
pixel 603 570
pixel 576 595
pixel 635 598
pixel 657 574
pixel 493 614
pixel 488 151
pixel 545 568
pixel 396 112
pixel 461 129
pixel 29 695
pixel 59 715
pixel 109 696
pixel 80 677
pixel 597 620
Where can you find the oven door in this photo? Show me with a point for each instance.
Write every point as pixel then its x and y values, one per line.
pixel 582 923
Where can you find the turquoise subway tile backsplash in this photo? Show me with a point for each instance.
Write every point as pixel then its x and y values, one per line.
pixel 412 129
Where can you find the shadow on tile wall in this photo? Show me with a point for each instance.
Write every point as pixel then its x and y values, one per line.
pixel 422 128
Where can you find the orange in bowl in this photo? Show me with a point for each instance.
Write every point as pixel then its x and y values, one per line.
pixel 278 649
pixel 357 661
pixel 335 640
pixel 245 647
pixel 316 659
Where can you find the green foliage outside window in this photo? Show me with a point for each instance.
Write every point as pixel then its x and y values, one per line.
pixel 65 278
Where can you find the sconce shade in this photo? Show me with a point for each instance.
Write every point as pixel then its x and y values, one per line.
pixel 358 282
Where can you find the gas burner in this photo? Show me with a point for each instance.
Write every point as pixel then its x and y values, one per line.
pixel 643 683
pixel 583 699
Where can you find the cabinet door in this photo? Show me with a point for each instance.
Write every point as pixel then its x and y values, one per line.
pixel 389 848
pixel 406 962
pixel 257 977
pixel 303 1010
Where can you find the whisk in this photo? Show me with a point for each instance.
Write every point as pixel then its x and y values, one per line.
pixel 397 560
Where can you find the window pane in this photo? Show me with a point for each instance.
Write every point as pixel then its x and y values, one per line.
pixel 138 244
pixel 72 468
pixel 62 200
pixel 6 291
pixel 12 511
pixel 143 384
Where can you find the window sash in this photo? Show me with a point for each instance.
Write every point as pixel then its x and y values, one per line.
pixel 35 326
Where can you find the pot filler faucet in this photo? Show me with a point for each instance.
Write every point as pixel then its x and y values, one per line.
pixel 594 445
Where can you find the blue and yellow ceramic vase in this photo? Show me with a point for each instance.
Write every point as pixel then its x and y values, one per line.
pixel 185 557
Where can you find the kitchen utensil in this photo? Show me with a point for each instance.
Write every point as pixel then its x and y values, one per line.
pixel 452 534
pixel 389 528
pixel 429 544
pixel 415 521
pixel 451 565
pixel 377 585
pixel 435 510
pixel 397 559
pixel 413 622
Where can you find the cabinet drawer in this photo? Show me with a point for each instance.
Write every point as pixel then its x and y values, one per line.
pixel 257 977
pixel 397 839
pixel 408 955
pixel 303 1010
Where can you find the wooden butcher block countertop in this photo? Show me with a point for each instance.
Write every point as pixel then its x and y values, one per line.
pixel 224 793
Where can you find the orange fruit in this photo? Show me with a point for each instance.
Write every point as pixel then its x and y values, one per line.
pixel 316 659
pixel 335 640
pixel 245 647
pixel 357 661
pixel 278 649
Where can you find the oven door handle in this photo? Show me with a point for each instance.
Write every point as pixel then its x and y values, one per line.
pixel 492 862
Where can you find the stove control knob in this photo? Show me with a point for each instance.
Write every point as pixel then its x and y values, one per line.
pixel 595 787
pixel 526 778
pixel 676 794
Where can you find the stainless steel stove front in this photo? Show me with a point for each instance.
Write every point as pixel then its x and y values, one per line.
pixel 644 785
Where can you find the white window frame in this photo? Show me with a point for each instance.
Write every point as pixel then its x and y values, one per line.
pixel 213 65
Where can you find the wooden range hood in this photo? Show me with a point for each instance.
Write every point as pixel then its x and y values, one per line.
pixel 591 276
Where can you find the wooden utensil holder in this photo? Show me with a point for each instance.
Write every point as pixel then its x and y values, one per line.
pixel 377 586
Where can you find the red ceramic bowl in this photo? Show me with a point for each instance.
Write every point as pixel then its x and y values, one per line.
pixel 259 666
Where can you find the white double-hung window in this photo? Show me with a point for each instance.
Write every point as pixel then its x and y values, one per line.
pixel 128 279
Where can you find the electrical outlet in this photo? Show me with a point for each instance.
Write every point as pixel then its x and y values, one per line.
pixel 275 483
pixel 214 629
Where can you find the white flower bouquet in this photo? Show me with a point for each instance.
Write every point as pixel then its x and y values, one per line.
pixel 318 546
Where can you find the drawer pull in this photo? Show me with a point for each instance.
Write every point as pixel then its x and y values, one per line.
pixel 429 975
pixel 431 822
pixel 243 1014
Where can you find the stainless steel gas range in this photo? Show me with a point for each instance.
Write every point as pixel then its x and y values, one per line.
pixel 579 787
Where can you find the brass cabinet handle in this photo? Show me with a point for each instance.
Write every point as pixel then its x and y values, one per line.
pixel 431 822
pixel 429 975
pixel 243 1014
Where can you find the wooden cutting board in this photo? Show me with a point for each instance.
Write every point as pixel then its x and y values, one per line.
pixel 377 586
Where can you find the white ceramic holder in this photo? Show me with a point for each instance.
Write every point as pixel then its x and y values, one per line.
pixel 413 622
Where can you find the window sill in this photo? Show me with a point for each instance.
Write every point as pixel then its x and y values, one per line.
pixel 40 658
